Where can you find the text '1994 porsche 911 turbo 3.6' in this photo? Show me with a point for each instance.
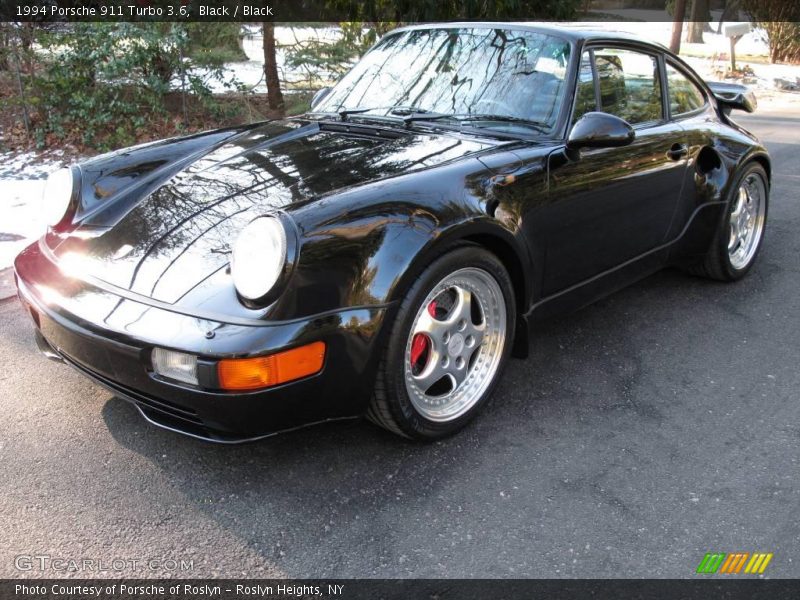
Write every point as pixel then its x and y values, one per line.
pixel 384 253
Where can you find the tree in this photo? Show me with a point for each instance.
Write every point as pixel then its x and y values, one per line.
pixel 101 84
pixel 323 59
pixel 780 20
pixel 453 10
pixel 698 21
pixel 729 13
pixel 677 25
pixel 274 95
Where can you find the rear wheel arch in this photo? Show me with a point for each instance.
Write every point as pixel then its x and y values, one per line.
pixel 717 262
pixel 765 162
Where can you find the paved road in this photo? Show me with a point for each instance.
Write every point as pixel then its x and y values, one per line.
pixel 644 431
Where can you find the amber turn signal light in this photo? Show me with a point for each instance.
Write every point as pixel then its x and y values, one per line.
pixel 266 371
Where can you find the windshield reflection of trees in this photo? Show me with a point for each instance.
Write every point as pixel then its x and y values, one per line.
pixel 496 71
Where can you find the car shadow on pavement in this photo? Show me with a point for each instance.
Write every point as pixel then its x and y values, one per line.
pixel 297 497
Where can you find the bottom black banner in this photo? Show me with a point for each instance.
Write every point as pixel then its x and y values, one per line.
pixel 405 589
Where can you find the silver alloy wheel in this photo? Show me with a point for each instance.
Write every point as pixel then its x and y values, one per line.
pixel 747 221
pixel 456 343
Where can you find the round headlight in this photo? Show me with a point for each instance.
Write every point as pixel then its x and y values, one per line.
pixel 259 256
pixel 56 196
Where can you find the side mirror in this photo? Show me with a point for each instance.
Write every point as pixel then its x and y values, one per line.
pixel 733 96
pixel 321 93
pixel 600 130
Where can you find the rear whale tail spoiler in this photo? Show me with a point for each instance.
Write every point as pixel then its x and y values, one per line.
pixel 732 96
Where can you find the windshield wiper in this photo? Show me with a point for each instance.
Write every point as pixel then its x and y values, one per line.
pixel 346 112
pixel 411 114
pixel 411 110
pixel 399 110
pixel 465 117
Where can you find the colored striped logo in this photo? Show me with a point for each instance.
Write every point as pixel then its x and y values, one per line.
pixel 732 563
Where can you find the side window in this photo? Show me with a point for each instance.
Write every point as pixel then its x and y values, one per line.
pixel 684 96
pixel 584 95
pixel 630 87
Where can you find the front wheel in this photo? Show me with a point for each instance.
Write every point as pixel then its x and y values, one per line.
pixel 447 347
pixel 739 237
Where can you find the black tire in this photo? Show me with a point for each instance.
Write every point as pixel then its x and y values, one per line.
pixel 716 264
pixel 391 406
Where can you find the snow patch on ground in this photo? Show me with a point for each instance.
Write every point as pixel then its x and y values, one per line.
pixel 22 178
pixel 21 221
pixel 29 165
pixel 250 73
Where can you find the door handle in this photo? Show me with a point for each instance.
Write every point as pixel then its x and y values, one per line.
pixel 678 151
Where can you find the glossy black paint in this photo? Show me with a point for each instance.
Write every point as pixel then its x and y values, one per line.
pixel 733 96
pixel 145 261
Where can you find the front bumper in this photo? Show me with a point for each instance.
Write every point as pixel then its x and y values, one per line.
pixel 109 339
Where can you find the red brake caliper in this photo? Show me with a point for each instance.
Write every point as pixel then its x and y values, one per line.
pixel 421 343
pixel 419 346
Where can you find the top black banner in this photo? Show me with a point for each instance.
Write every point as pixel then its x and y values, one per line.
pixel 325 10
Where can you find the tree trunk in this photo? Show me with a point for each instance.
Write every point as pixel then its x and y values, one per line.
pixel 274 95
pixel 729 13
pixel 781 21
pixel 697 22
pixel 23 100
pixel 677 25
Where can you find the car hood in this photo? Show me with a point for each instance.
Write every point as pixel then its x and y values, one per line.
pixel 167 241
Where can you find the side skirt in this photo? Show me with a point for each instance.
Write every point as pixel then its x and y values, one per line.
pixel 696 233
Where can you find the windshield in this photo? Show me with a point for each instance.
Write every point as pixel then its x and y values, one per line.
pixel 518 75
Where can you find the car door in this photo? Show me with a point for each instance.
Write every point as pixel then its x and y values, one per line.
pixel 690 108
pixel 612 205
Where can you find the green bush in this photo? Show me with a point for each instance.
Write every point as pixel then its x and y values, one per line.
pixel 213 44
pixel 102 82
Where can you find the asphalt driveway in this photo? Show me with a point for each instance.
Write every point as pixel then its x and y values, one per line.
pixel 655 426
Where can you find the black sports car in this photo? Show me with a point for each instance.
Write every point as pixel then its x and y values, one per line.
pixel 384 253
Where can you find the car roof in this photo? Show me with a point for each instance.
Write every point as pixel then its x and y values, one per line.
pixel 575 32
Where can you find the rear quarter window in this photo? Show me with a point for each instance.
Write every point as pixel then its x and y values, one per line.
pixel 684 95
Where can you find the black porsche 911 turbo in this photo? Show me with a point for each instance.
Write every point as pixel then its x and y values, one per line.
pixel 384 253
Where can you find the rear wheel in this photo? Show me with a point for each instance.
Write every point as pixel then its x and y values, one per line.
pixel 447 347
pixel 741 232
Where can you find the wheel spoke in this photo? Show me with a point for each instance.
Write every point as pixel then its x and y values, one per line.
pixel 433 327
pixel 433 373
pixel 457 374
pixel 476 332
pixel 734 237
pixel 741 200
pixel 462 308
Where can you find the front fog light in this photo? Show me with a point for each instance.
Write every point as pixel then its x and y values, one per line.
pixel 175 365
